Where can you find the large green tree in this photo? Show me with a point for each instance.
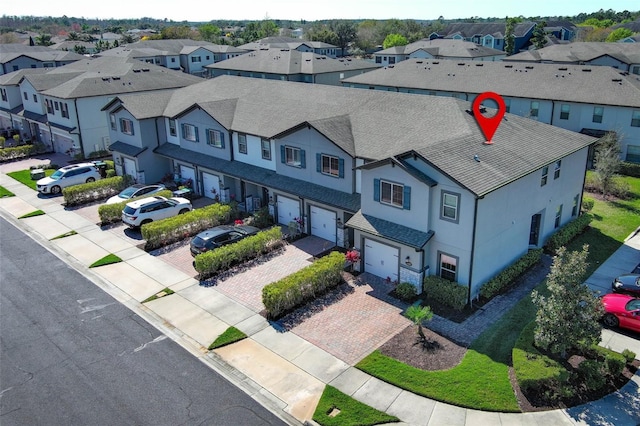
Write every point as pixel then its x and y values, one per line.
pixel 568 318
pixel 619 34
pixel 346 32
pixel 394 40
pixel 539 38
pixel 209 32
pixel 509 37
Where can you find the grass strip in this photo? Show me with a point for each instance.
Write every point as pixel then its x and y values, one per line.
pixel 107 260
pixel 230 335
pixel 32 214
pixel 66 234
pixel 167 291
pixel 4 192
pixel 338 409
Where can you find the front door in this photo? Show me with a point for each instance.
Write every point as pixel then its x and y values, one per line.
pixel 534 233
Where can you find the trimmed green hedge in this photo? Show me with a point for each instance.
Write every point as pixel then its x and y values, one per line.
pixel 630 169
pixel 172 229
pixel 567 233
pixel 501 281
pixel 295 289
pixel 211 262
pixel 94 191
pixel 587 203
pixel 13 153
pixel 112 213
pixel 446 292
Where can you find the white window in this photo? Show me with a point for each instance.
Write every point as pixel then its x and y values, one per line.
pixel 172 128
pixel 195 59
pixel 558 216
pixel 112 120
pixel 215 138
pixel 3 94
pixel 448 267
pixel 126 126
pixel 564 111
pixel 545 174
pixel 64 109
pixel 190 132
pixel 556 171
pixel 507 104
pixel 292 156
pixel 242 143
pixel 391 193
pixel 635 119
pixel 266 149
pixel 574 209
pixel 450 205
pixel 598 112
pixel 535 108
pixel 330 165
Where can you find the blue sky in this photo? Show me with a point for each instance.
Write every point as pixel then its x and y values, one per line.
pixel 191 10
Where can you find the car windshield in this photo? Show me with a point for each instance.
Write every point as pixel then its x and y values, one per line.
pixel 633 305
pixel 57 175
pixel 127 193
pixel 198 242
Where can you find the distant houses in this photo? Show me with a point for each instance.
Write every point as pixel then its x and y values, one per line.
pixel 454 49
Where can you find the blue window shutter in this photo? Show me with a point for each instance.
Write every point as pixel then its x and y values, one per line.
pixel 282 154
pixel 341 167
pixel 197 133
pixel 303 159
pixel 406 198
pixel 183 133
pixel 319 163
pixel 221 139
pixel 208 134
pixel 376 190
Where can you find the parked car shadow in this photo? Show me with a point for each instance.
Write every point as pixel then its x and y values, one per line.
pixel 134 234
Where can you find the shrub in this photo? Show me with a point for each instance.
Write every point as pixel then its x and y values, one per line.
pixel 619 188
pixel 167 231
pixel 99 154
pixel 591 183
pixel 93 191
pixel 587 204
pixel 295 289
pixel 50 166
pixel 406 291
pixel 628 355
pixel 567 233
pixel 111 213
pixel 13 153
pixel 612 361
pixel 110 164
pixel 262 218
pixel 501 281
pixel 211 262
pixel 446 292
pixel 591 371
pixel 630 169
pixel 111 173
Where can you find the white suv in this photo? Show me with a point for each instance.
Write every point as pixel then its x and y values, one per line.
pixel 139 212
pixel 74 174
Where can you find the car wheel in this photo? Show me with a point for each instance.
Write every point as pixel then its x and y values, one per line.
pixel 183 211
pixel 91 179
pixel 610 320
pixel 55 189
pixel 145 222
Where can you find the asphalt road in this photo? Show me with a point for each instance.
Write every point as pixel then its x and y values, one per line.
pixel 70 354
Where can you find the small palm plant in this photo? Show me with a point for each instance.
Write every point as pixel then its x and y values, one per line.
pixel 418 314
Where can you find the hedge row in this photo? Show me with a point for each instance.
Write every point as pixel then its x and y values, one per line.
pixel 172 229
pixel 304 285
pixel 211 262
pixel 93 191
pixel 446 292
pixel 13 153
pixel 111 213
pixel 630 169
pixel 567 233
pixel 501 281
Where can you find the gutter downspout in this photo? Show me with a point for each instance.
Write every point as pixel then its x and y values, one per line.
pixel 473 249
pixel 75 104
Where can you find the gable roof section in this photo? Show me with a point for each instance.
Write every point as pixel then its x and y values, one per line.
pixel 539 81
pixel 444 48
pixel 628 53
pixel 143 105
pixel 9 52
pixel 222 111
pixel 390 230
pixel 14 78
pixel 469 30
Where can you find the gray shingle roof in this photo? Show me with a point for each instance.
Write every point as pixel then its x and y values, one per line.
pixel 628 53
pixel 14 78
pixel 534 81
pixel 444 48
pixel 389 230
pixel 110 76
pixel 290 62
pixel 261 176
pixel 126 149
pixel 9 52
pixel 284 43
pixel 469 29
pixel 384 124
pixel 146 48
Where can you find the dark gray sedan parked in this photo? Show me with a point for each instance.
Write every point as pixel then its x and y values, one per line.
pixel 220 236
pixel 627 284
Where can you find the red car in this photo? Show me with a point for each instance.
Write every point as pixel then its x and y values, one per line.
pixel 621 311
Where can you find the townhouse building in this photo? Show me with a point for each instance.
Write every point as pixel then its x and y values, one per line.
pixel 317 47
pixel 453 49
pixel 407 180
pixel 14 57
pixel 587 99
pixel 487 34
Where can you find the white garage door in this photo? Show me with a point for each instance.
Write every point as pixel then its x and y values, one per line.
pixel 210 183
pixel 188 173
pixel 380 260
pixel 288 209
pixel 130 167
pixel 323 223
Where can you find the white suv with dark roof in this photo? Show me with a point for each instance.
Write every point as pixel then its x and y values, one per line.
pixel 74 174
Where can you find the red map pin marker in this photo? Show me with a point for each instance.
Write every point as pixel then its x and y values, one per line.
pixel 488 125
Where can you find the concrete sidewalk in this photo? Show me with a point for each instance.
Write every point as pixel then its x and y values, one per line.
pixel 281 370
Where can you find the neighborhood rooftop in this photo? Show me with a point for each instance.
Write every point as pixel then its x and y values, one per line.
pixel 377 125
pixel 288 62
pixel 9 52
pixel 628 53
pixel 443 48
pixel 607 86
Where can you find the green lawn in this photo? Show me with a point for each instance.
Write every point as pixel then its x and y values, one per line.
pixel 4 192
pixel 107 260
pixel 24 177
pixel 338 409
pixel 230 335
pixel 32 214
pixel 481 380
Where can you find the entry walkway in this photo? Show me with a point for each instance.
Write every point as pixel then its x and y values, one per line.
pixel 285 372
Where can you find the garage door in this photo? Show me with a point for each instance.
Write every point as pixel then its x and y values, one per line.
pixel 323 223
pixel 288 209
pixel 380 259
pixel 210 183
pixel 188 173
pixel 130 167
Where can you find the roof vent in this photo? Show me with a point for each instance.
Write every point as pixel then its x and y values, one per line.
pixel 529 67
pixel 461 63
pixel 508 66
pixel 435 63
pixel 391 66
pixel 586 69
pixel 136 70
pixel 145 69
pixel 616 80
pixel 418 62
pixel 562 69
pixel 480 65
pixel 105 79
pixel 116 78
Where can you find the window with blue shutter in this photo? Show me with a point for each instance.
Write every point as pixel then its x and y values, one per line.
pixel 283 158
pixel 330 165
pixel 406 199
pixel 376 190
pixel 319 163
pixel 341 168
pixel 303 159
